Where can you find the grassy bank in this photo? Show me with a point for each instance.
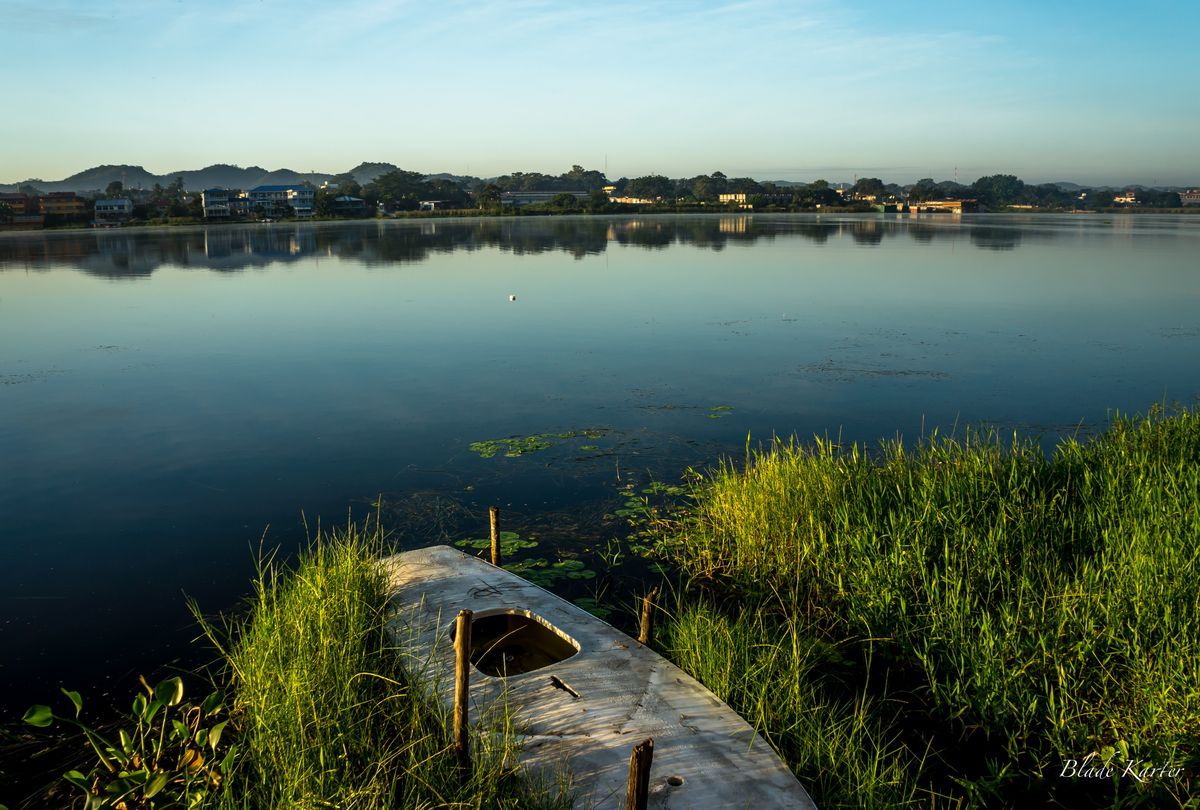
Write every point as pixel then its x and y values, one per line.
pixel 327 717
pixel 956 622
pixel 310 709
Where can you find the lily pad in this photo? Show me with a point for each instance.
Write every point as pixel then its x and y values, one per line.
pixel 517 446
pixel 719 411
pixel 510 542
pixel 544 574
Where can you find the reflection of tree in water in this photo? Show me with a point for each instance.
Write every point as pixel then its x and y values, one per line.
pixel 865 232
pixel 993 238
pixel 135 253
pixel 922 232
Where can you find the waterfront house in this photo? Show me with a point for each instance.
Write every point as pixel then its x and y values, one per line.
pixel 345 205
pixel 19 204
pixel 215 202
pixel 953 206
pixel 23 212
pixel 113 212
pixel 276 200
pixel 62 205
pixel 1190 197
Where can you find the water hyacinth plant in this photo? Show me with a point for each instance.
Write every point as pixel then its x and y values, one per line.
pixel 167 755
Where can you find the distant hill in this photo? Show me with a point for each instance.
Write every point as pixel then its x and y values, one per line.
pixel 366 172
pixel 220 175
pixel 217 176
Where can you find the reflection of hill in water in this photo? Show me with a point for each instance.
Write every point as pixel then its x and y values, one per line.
pixel 134 253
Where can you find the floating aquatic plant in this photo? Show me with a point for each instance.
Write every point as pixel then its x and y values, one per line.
pixel 543 573
pixel 510 543
pixel 516 446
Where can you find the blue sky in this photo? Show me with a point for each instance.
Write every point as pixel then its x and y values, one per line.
pixel 1095 92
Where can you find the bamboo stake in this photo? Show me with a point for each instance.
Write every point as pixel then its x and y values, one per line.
pixel 462 675
pixel 494 519
pixel 647 616
pixel 638 790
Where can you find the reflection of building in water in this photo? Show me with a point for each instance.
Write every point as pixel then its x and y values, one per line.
pixel 259 242
pixel 733 225
pixel 222 243
pixel 44 250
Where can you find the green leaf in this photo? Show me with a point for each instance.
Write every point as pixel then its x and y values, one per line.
pixel 126 740
pixel 182 732
pixel 201 736
pixel 39 716
pixel 78 780
pixel 156 784
pixel 214 735
pixel 75 698
pixel 230 755
pixel 139 706
pixel 170 691
pixel 212 703
pixel 99 745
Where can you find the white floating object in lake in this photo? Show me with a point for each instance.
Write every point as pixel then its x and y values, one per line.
pixel 512 298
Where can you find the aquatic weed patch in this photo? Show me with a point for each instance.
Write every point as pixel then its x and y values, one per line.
pixel 719 411
pixel 510 543
pixel 544 574
pixel 517 446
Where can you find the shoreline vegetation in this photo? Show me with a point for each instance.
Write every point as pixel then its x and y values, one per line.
pixel 960 623
pixel 388 191
pixel 319 711
pixel 964 622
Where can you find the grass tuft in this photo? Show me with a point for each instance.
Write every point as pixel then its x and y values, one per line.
pixel 326 716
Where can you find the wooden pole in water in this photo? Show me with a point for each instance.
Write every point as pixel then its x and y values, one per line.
pixel 647 616
pixel 638 790
pixel 462 675
pixel 494 519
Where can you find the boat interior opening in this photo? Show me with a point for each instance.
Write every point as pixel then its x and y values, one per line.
pixel 511 642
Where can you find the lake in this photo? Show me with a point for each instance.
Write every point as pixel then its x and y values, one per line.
pixel 173 400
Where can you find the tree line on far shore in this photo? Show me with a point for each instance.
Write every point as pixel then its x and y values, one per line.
pixel 402 190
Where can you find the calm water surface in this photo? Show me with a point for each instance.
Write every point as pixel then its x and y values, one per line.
pixel 168 395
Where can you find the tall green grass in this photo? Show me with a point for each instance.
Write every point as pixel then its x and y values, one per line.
pixel 325 715
pixel 1002 611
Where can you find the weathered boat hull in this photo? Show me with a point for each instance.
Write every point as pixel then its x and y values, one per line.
pixel 587 711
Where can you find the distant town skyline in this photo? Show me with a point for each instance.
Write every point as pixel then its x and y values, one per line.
pixel 1098 93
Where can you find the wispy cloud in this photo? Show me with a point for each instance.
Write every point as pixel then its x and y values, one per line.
pixel 21 16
